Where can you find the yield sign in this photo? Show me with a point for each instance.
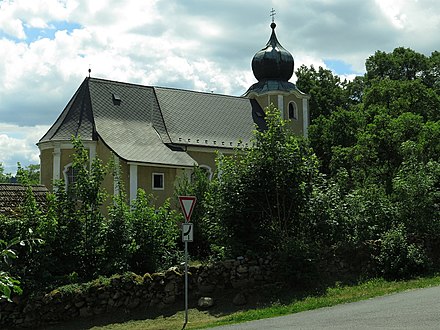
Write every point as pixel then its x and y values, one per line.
pixel 187 204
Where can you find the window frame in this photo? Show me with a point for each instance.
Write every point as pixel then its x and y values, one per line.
pixel 153 175
pixel 295 114
pixel 208 170
pixel 68 184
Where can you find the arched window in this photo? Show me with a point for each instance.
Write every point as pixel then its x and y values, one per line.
pixel 293 111
pixel 208 171
pixel 203 169
pixel 70 176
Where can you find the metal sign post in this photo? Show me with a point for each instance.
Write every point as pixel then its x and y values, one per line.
pixel 187 204
pixel 186 285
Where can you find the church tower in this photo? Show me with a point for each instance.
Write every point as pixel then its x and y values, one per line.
pixel 273 66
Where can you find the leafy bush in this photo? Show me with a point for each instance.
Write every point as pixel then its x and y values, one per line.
pixel 398 258
pixel 155 233
pixel 260 195
pixel 198 185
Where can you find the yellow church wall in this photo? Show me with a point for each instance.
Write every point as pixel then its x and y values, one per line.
pixel 204 158
pixel 125 170
pixel 66 159
pixel 105 155
pixel 46 168
pixel 145 181
pixel 295 124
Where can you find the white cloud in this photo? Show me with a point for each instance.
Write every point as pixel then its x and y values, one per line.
pixel 18 144
pixel 392 10
pixel 192 44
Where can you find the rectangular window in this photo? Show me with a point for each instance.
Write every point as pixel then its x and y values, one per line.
pixel 158 181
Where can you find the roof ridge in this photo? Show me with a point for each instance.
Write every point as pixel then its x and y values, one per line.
pixel 115 82
pixel 199 92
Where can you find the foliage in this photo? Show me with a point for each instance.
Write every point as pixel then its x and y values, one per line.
pixel 262 191
pixel 28 175
pixel 205 230
pixel 4 177
pixel 398 258
pixel 155 234
pixel 326 90
pixel 89 196
pixel 118 236
pixel 362 192
pixel 8 284
pixel 416 194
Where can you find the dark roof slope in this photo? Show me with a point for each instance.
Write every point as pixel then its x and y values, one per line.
pixel 195 118
pixel 76 118
pixel 12 196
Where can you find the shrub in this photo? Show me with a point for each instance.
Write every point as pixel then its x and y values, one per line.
pixel 261 193
pixel 155 235
pixel 398 258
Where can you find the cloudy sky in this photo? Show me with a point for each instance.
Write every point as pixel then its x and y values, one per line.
pixel 47 47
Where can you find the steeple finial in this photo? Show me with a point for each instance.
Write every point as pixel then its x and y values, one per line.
pixel 90 70
pixel 272 14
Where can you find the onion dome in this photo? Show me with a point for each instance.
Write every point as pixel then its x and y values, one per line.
pixel 273 67
pixel 273 62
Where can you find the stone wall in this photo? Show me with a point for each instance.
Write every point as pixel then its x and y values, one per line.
pixel 131 291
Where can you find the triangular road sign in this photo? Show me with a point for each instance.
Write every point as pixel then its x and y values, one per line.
pixel 187 204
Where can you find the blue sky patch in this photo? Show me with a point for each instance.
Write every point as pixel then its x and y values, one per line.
pixel 34 34
pixel 339 67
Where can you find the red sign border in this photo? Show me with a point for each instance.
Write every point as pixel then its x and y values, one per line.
pixel 185 198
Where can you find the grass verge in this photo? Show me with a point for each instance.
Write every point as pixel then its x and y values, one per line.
pixel 294 303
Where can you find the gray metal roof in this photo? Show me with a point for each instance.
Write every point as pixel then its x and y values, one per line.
pixel 131 126
pixel 144 124
pixel 195 118
pixel 266 86
pixel 76 118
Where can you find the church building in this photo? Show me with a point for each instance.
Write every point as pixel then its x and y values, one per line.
pixel 157 134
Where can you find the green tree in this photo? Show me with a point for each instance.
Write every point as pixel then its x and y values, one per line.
pixel 325 89
pixel 8 284
pixel 118 234
pixel 199 185
pixel 28 175
pixel 89 197
pixel 4 177
pixel 261 192
pixel 155 234
pixel 401 64
pixel 331 136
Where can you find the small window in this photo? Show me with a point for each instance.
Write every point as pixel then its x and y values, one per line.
pixel 293 111
pixel 158 181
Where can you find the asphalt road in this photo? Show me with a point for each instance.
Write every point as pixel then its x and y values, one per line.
pixel 416 309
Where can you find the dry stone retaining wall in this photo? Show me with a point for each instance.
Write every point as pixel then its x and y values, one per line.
pixel 130 291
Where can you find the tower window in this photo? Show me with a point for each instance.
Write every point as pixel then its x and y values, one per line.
pixel 293 111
